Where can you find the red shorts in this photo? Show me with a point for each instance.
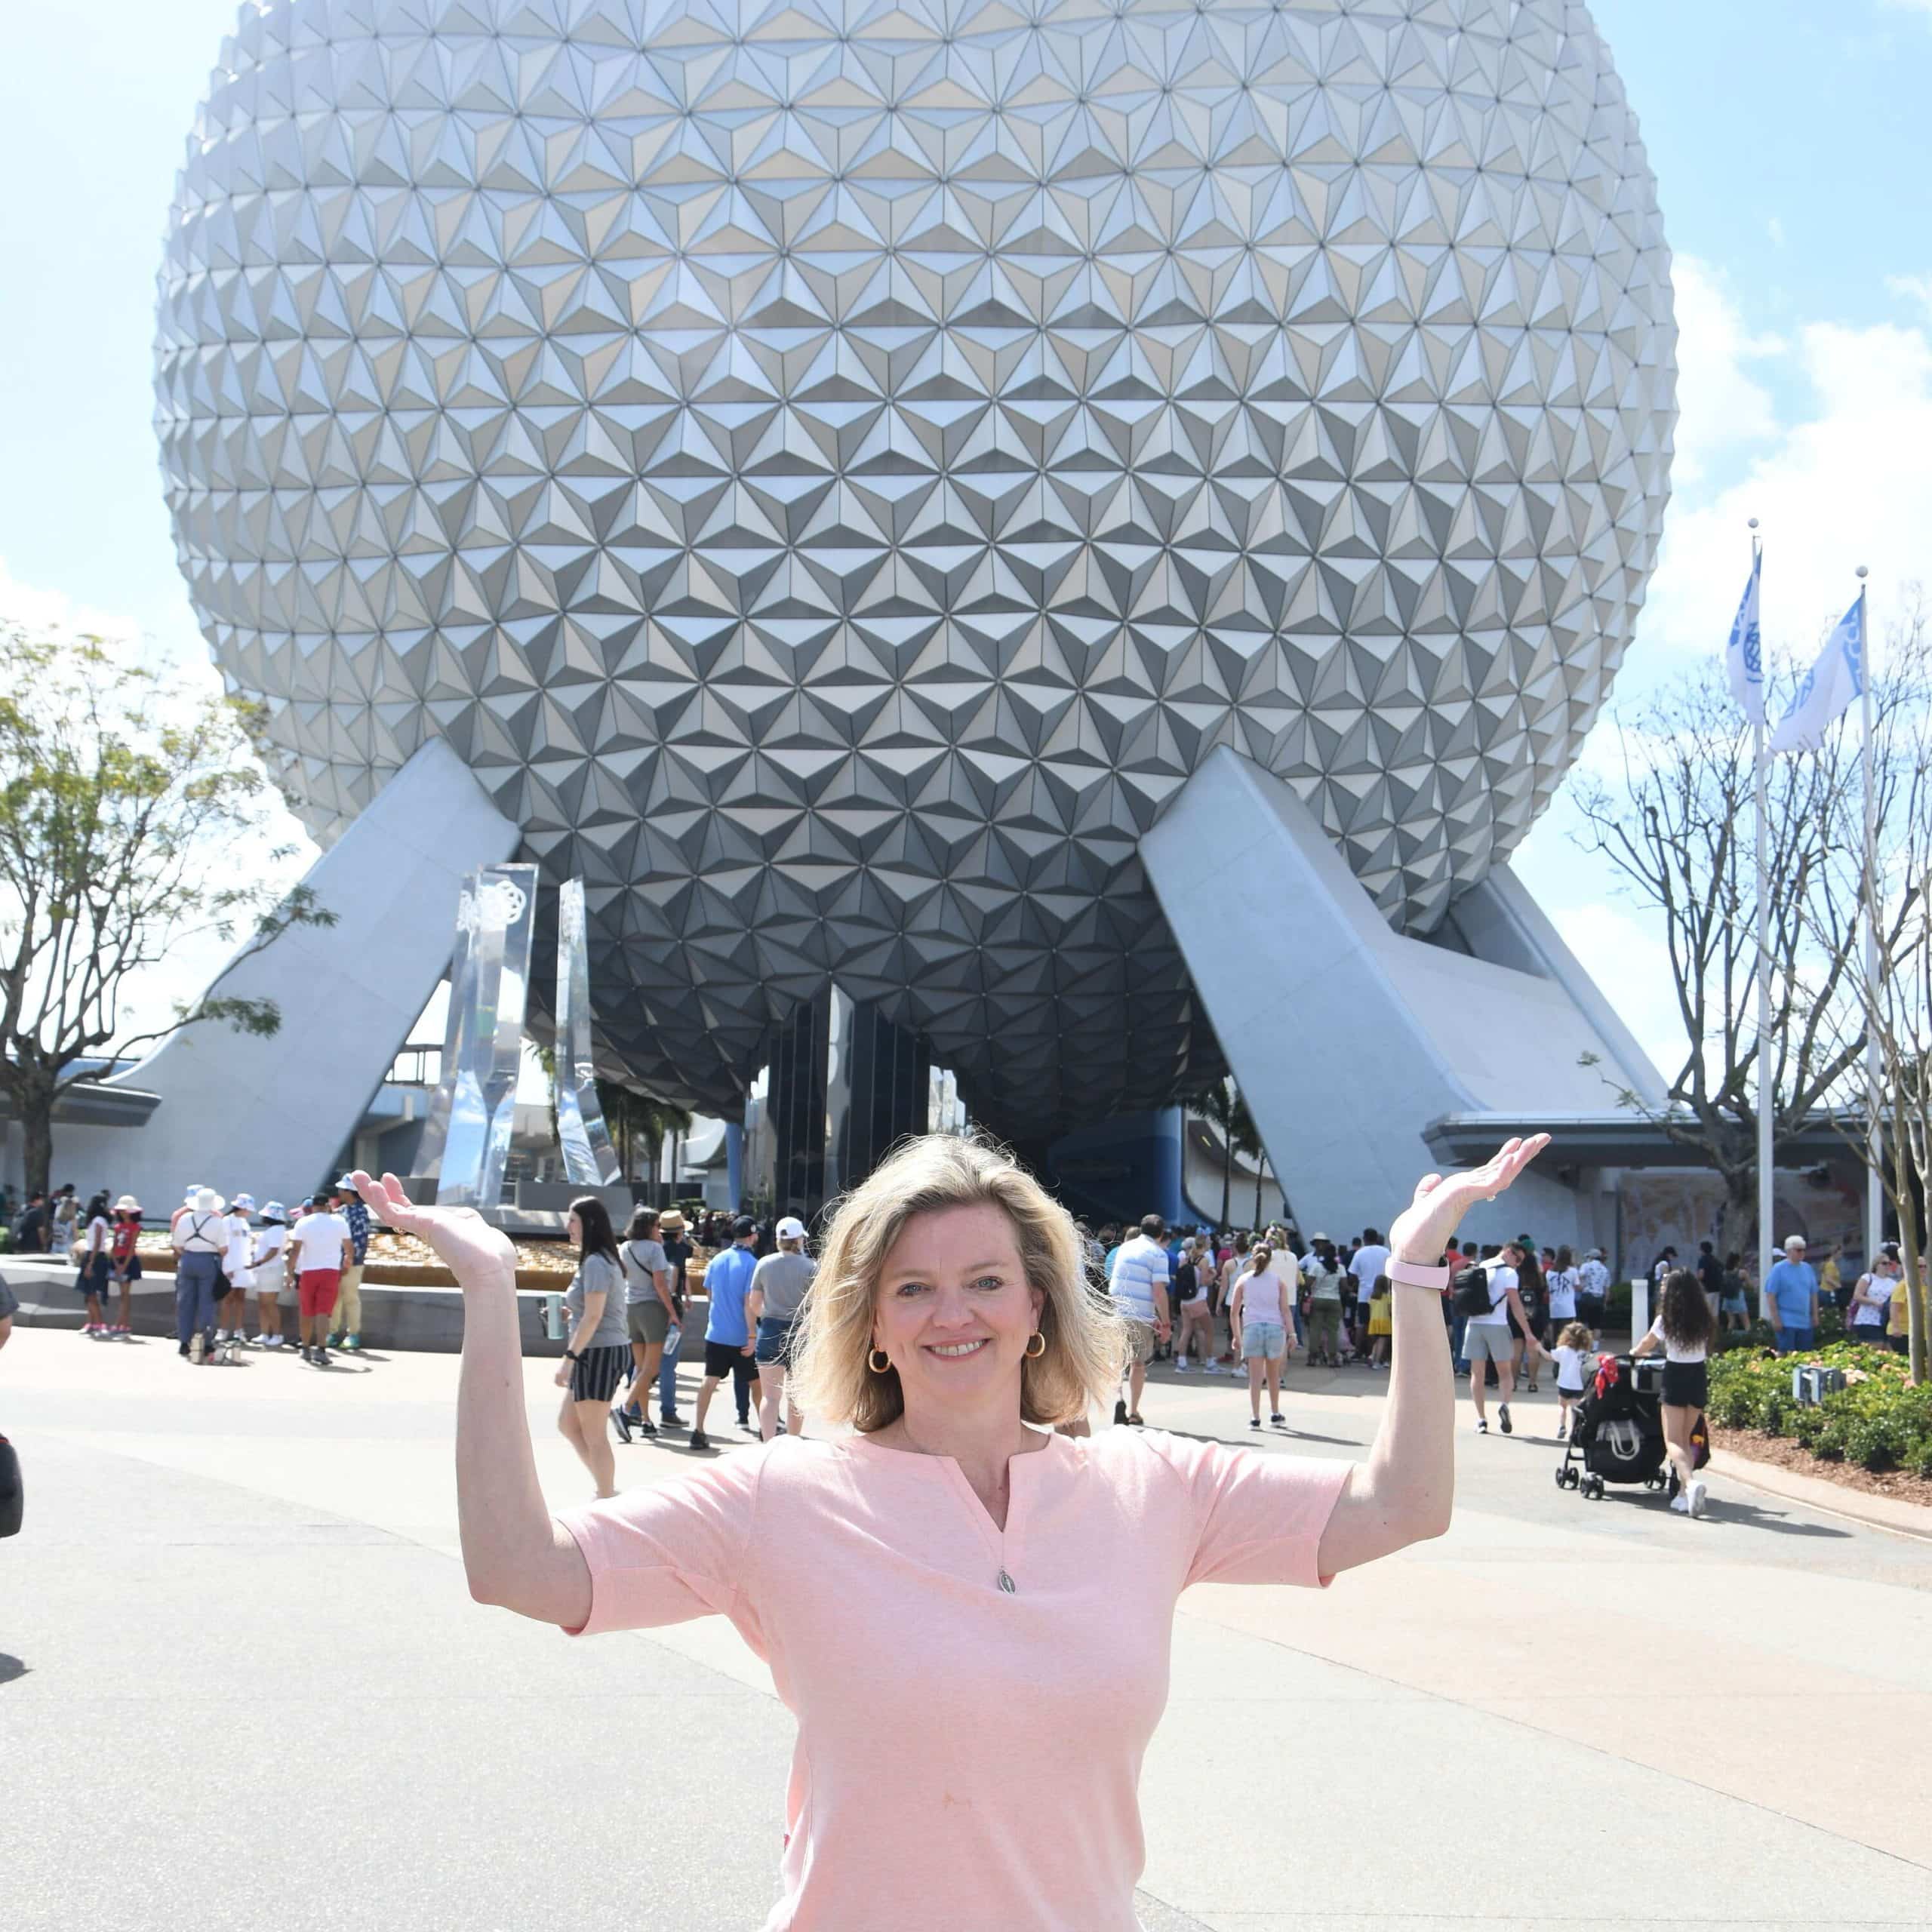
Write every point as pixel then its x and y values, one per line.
pixel 315 1288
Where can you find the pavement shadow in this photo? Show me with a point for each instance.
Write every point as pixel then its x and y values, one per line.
pixel 10 1668
pixel 1753 1515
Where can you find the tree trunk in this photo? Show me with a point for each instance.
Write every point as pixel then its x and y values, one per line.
pixel 35 1106
pixel 1227 1172
pixel 1260 1169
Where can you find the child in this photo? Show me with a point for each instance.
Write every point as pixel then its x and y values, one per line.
pixel 1575 1362
pixel 126 1269
pixel 1381 1326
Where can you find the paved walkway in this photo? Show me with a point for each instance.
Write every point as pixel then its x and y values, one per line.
pixel 241 1681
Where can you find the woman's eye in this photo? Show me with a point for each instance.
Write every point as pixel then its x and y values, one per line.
pixel 988 1281
pixel 912 1288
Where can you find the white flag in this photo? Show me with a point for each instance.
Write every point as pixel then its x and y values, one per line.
pixel 1744 656
pixel 1829 687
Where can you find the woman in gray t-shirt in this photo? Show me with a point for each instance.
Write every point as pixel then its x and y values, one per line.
pixel 598 1350
pixel 777 1293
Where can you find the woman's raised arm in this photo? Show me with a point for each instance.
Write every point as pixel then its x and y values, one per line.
pixel 1405 1490
pixel 514 1554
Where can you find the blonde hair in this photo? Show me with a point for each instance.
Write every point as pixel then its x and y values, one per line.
pixel 1576 1335
pixel 1086 1341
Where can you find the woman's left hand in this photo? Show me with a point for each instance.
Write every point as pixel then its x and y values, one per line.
pixel 562 1377
pixel 1423 1229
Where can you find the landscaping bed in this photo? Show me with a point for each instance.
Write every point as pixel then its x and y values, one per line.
pixel 1874 1434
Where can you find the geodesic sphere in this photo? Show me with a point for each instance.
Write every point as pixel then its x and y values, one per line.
pixel 833 469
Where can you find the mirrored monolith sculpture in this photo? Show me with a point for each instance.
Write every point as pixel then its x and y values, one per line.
pixel 486 999
pixel 436 1124
pixel 589 1160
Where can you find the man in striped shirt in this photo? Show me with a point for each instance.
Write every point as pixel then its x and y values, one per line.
pixel 1137 1283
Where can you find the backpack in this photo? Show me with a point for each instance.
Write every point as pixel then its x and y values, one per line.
pixel 1472 1295
pixel 1187 1282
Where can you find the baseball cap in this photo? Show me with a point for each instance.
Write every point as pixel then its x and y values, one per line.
pixel 743 1226
pixel 791 1228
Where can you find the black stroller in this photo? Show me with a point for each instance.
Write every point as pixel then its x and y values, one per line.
pixel 1617 1433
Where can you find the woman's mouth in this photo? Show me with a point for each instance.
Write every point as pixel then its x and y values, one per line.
pixel 957 1351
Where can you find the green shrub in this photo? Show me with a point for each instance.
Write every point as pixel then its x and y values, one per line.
pixel 1832 1439
pixel 1807 1426
pixel 1918 1458
pixel 1873 1442
pixel 1777 1412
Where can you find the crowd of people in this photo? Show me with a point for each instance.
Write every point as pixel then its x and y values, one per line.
pixel 237 1266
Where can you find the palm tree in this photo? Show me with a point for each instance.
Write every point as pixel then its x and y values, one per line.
pixel 1223 1105
pixel 636 1120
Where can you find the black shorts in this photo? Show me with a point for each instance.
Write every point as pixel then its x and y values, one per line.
pixel 723 1358
pixel 1687 1385
pixel 595 1376
pixel 92 1276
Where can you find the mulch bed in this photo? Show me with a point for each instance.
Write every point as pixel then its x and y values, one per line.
pixel 1781 1451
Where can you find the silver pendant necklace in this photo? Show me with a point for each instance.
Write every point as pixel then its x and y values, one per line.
pixel 1007 1583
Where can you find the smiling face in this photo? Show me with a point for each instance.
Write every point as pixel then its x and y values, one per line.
pixel 953 1309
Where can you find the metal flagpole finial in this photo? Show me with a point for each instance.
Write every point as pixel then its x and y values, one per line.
pixel 1754 523
pixel 1862 573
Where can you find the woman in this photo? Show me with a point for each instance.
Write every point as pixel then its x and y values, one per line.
pixel 1871 1299
pixel 94 1256
pixel 125 1259
pixel 1232 1269
pixel 772 1304
pixel 1322 1271
pixel 238 1277
pixel 1192 1274
pixel 1261 1320
pixel 1526 1317
pixel 1733 1300
pixel 199 1236
pixel 595 1355
pixel 1683 1330
pixel 1559 1289
pixel 962 1602
pixel 648 1314
pixel 270 1262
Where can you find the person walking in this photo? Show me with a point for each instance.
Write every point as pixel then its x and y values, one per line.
pixel 94 1260
pixel 1193 1280
pixel 1683 1330
pixel 599 1349
pixel 1560 1290
pixel 647 1310
pixel 319 1249
pixel 1261 1319
pixel 1791 1298
pixel 1232 1269
pixel 345 1318
pixel 728 1346
pixel 1527 1330
pixel 1871 1294
pixel 270 1260
pixel 1322 1270
pixel 124 1261
pixel 1575 1356
pixel 1138 1287
pixel 676 1240
pixel 952 1554
pixel 1592 1290
pixel 199 1236
pixel 1370 1258
pixel 238 1276
pixel 777 1293
pixel 1492 1301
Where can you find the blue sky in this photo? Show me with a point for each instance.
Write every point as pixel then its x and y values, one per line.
pixel 1787 138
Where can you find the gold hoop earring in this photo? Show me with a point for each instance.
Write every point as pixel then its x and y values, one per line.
pixel 1033 1353
pixel 878 1361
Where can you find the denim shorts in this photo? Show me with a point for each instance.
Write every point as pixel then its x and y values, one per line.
pixel 1267 1340
pixel 775 1340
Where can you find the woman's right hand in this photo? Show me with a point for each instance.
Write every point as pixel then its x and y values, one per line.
pixel 474 1252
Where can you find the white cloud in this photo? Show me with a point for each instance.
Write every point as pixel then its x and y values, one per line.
pixel 1845 484
pixel 1916 289
pixel 1720 404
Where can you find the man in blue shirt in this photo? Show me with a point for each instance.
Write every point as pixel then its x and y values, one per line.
pixel 1791 1298
pixel 727 1338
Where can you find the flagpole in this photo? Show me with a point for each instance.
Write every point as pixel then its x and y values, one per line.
pixel 1766 1097
pixel 1874 1131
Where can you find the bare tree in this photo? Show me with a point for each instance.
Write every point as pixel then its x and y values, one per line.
pixel 120 805
pixel 1893 1007
pixel 1680 829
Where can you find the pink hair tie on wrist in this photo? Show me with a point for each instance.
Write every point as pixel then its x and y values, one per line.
pixel 1414 1274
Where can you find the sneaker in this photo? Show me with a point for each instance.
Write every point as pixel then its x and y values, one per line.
pixel 1695 1500
pixel 1562 1432
pixel 673 1421
pixel 353 1343
pixel 1254 1422
pixel 621 1424
pixel 182 1352
pixel 123 1329
pixel 1180 1364
pixel 699 1440
pixel 321 1357
pixel 1120 1415
pixel 1679 1505
pixel 274 1342
pixel 1278 1419
pixel 1211 1368
pixel 1503 1416
pixel 220 1336
pixel 645 1428
pixel 1482 1426
pixel 198 1345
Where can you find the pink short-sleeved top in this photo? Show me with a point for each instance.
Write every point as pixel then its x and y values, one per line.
pixel 968 1754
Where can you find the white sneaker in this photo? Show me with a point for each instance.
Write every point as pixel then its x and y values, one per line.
pixel 1680 1505
pixel 1180 1364
pixel 220 1336
pixel 1696 1500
